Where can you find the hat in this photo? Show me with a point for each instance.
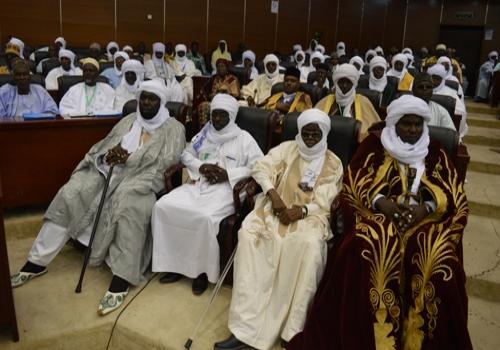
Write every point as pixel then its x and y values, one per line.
pixel 292 71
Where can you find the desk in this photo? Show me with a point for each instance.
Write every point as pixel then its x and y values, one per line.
pixel 38 157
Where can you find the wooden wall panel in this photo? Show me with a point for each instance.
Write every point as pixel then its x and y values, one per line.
pixel 323 21
pixel 133 25
pixel 372 30
pixel 492 23
pixel 393 35
pixel 36 22
pixel 226 19
pixel 86 21
pixel 349 23
pixel 419 34
pixel 260 27
pixel 186 21
pixel 478 8
pixel 292 24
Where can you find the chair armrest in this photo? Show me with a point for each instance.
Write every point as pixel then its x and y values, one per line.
pixel 336 219
pixel 462 160
pixel 168 175
pixel 238 188
pixel 457 119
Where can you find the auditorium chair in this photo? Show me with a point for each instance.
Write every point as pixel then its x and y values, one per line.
pixel 260 124
pixel 66 81
pixel 9 79
pixel 50 64
pixel 178 110
pixel 373 95
pixel 105 65
pixel 40 55
pixel 314 92
pixel 452 84
pixel 311 78
pixel 495 89
pixel 242 73
pixel 448 103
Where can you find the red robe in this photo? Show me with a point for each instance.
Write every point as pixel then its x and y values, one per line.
pixel 383 289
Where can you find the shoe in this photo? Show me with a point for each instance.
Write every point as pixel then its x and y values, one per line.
pixel 22 277
pixel 110 302
pixel 200 284
pixel 170 277
pixel 231 343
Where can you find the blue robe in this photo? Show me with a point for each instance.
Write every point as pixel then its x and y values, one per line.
pixel 37 101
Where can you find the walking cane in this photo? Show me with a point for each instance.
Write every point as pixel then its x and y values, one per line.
pixel 88 251
pixel 189 342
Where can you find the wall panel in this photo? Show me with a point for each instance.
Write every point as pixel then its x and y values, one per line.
pixel 226 22
pixel 492 23
pixel 260 27
pixel 85 21
pixel 133 25
pixel 395 21
pixel 349 23
pixel 323 21
pixel 453 7
pixel 36 22
pixel 186 21
pixel 292 24
pixel 372 33
pixel 418 33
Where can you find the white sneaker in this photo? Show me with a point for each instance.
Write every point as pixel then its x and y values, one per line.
pixel 110 302
pixel 22 277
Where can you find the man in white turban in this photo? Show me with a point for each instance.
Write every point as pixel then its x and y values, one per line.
pixel 140 147
pixel 111 48
pixel 248 58
pixel 341 50
pixel 357 62
pixel 346 102
pixel 67 59
pixel 438 75
pixel 258 90
pixel 132 77
pixel 184 69
pixel 186 220
pixel 485 75
pixel 377 80
pixel 89 97
pixel 114 74
pixel 446 62
pixel 398 70
pixel 397 273
pixel 315 59
pixel 379 50
pixel 282 246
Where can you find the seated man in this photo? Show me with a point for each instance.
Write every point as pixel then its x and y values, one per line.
pixel 184 70
pixel 357 62
pixel 485 75
pixel 114 74
pixel 438 74
pixel 133 76
pixel 248 57
pixel 258 90
pixel 290 99
pixel 197 58
pixel 218 157
pixel 90 96
pixel 315 59
pixel 321 79
pixel 140 147
pixel 395 278
pixel 13 51
pixel 282 245
pixel 377 81
pixel 23 97
pixel 398 70
pixel 111 49
pixel 346 102
pixel 422 88
pixel 67 59
pixel 446 62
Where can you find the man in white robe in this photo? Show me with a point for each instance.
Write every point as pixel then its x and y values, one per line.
pixel 89 97
pixel 258 90
pixel 282 244
pixel 114 74
pixel 485 75
pixel 219 156
pixel 140 147
pixel 446 62
pixel 133 76
pixel 184 69
pixel 315 59
pixel 248 58
pixel 67 59
pixel 438 74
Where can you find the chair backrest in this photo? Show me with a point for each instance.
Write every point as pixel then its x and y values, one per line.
pixel 393 81
pixel 40 55
pixel 65 82
pixel 9 79
pixel 342 139
pixel 105 65
pixel 372 95
pixel 413 71
pixel 50 64
pixel 445 101
pixel 364 82
pixel 242 73
pixel 177 110
pixel 259 123
pixel 448 138
pixel 314 92
pixel 452 84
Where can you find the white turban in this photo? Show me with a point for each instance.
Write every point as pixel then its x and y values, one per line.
pixel 131 140
pixel 90 60
pixel 358 60
pixel 69 55
pixel 297 47
pixel 132 66
pixel 440 47
pixel 61 41
pixel 374 83
pixel 314 55
pixel 407 50
pixel 372 53
pixel 398 58
pixel 299 63
pixel 112 44
pixel 128 48
pixel 123 55
pixel 248 54
pixel 320 48
pixel 379 50
pixel 440 71
pixel 158 47
pixel 350 72
pixel 315 155
pixel 341 48
pixel 272 58
pixel 442 60
pixel 19 43
pixel 178 48
pixel 493 54
pixel 410 58
pixel 411 154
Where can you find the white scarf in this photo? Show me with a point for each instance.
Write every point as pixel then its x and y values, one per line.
pixel 131 66
pixel 374 83
pixel 393 72
pixel 372 53
pixel 71 56
pixel 440 71
pixel 412 155
pixel 274 76
pixel 181 61
pixel 341 49
pixel 315 155
pixel 111 45
pixel 158 47
pixel 358 60
pixel 449 72
pixel 299 63
pixel 345 100
pixel 131 141
pixel 117 54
